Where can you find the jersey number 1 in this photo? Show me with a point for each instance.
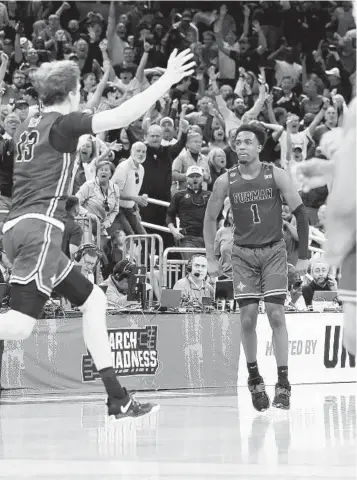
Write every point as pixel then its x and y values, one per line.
pixel 255 211
pixel 26 146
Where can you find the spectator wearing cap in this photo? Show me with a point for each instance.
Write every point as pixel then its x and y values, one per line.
pixel 7 152
pixel 186 28
pixel 191 156
pixel 21 108
pixel 129 176
pixel 73 233
pixel 168 131
pixel 100 197
pixel 189 206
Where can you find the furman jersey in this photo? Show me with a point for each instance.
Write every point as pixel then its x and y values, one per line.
pixel 43 164
pixel 256 207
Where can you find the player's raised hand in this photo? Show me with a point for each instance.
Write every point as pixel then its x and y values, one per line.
pixel 179 66
pixel 314 173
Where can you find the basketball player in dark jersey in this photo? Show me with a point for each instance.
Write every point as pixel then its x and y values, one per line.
pixel 44 158
pixel 258 253
pixel 339 174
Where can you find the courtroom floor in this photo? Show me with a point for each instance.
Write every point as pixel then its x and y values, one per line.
pixel 193 437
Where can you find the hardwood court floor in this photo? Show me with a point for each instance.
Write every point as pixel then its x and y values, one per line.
pixel 193 437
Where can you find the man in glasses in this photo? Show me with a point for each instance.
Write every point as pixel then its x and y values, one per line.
pixel 129 176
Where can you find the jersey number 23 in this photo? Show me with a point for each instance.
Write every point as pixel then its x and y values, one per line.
pixel 26 145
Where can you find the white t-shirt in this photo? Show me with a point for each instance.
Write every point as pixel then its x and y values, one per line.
pixel 299 139
pixel 129 179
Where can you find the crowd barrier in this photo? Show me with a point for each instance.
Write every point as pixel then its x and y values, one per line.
pixel 171 352
pixel 142 249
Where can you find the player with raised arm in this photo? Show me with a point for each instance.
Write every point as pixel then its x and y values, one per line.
pixel 44 158
pixel 339 174
pixel 258 253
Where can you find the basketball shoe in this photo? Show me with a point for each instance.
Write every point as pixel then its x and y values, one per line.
pixel 129 407
pixel 260 398
pixel 282 396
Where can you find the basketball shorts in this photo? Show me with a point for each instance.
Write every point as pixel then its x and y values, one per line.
pixel 260 272
pixel 347 286
pixel 34 249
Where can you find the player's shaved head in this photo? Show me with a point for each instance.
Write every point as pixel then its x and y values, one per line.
pixel 54 81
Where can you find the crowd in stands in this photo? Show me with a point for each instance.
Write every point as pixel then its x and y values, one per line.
pixel 287 65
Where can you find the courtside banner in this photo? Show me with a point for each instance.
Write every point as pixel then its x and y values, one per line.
pixel 316 354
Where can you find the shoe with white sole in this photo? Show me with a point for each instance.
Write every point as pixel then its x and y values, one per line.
pixel 129 407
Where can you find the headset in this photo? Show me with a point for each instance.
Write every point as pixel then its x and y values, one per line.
pixel 126 272
pixel 85 248
pixel 189 265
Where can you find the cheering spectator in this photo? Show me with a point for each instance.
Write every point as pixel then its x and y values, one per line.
pixel 100 197
pixel 189 206
pixel 217 163
pixel 191 156
pixel 158 177
pixel 129 176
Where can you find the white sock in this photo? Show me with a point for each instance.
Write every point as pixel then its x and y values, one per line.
pixel 95 328
pixel 15 325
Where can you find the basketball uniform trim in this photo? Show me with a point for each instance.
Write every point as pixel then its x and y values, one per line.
pixel 35 216
pixel 63 275
pixel 61 185
pixel 36 272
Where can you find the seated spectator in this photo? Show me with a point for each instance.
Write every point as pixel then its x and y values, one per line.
pixel 217 163
pixel 100 197
pixel 223 244
pixel 322 282
pixel 129 176
pixel 73 233
pixel 118 284
pixel 87 257
pixel 189 206
pixel 194 286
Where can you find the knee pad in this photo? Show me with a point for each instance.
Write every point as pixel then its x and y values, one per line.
pixel 16 325
pixel 97 300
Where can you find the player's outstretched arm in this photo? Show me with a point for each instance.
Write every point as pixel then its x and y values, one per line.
pixel 214 206
pixel 178 67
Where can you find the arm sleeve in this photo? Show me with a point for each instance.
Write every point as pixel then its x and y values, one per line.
pixel 67 129
pixel 302 227
pixel 172 210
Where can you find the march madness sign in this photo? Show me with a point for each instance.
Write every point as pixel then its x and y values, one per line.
pixel 134 352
